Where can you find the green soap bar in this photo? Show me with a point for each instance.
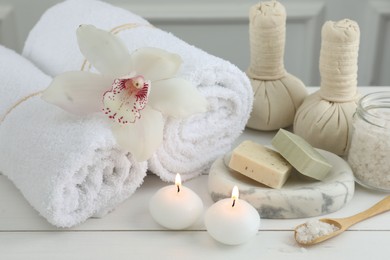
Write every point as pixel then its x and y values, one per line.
pixel 301 155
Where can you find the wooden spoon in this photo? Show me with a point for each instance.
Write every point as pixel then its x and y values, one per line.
pixel 344 223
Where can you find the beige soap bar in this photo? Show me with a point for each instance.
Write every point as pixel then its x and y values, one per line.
pixel 302 156
pixel 260 163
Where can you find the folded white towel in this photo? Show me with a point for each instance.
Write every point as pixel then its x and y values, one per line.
pixel 68 168
pixel 190 145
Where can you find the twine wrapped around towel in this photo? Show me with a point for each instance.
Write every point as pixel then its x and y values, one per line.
pixel 325 116
pixel 277 93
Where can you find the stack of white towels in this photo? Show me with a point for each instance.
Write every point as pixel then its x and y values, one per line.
pixel 69 168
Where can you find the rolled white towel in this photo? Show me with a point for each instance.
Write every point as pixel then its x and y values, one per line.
pixel 190 145
pixel 68 168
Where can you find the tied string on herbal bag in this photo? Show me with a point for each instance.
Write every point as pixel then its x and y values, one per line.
pixel 339 61
pixel 267 29
pixel 85 66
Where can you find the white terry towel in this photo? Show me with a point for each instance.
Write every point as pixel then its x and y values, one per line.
pixel 68 168
pixel 190 145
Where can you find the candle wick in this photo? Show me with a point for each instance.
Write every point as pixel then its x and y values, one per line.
pixel 234 202
pixel 178 188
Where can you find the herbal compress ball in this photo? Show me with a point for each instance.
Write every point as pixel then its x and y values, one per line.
pixel 325 117
pixel 277 94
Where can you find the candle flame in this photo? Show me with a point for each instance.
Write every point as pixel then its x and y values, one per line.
pixel 235 194
pixel 178 182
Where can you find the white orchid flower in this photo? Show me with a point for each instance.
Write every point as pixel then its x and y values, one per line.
pixel 134 91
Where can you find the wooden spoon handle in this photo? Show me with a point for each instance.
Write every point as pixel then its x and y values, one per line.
pixel 380 207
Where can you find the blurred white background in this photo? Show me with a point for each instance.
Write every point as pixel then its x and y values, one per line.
pixel 220 27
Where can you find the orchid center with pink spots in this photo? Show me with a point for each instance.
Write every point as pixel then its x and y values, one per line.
pixel 135 83
pixel 127 97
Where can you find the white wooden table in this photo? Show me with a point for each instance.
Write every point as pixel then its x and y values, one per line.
pixel 130 233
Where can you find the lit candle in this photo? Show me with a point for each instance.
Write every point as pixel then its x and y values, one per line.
pixel 175 206
pixel 232 221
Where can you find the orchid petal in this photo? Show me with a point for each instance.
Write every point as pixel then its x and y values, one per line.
pixel 155 64
pixel 143 137
pixel 176 97
pixel 104 51
pixel 78 92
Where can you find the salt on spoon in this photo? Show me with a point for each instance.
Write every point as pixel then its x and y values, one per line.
pixel 316 231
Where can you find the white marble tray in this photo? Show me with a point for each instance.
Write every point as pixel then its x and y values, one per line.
pixel 300 196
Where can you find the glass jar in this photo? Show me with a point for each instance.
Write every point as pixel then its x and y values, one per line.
pixel 369 151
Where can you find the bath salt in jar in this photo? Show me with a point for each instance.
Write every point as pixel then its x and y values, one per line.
pixel 369 151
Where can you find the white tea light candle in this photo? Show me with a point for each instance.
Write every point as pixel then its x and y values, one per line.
pixel 175 206
pixel 232 221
